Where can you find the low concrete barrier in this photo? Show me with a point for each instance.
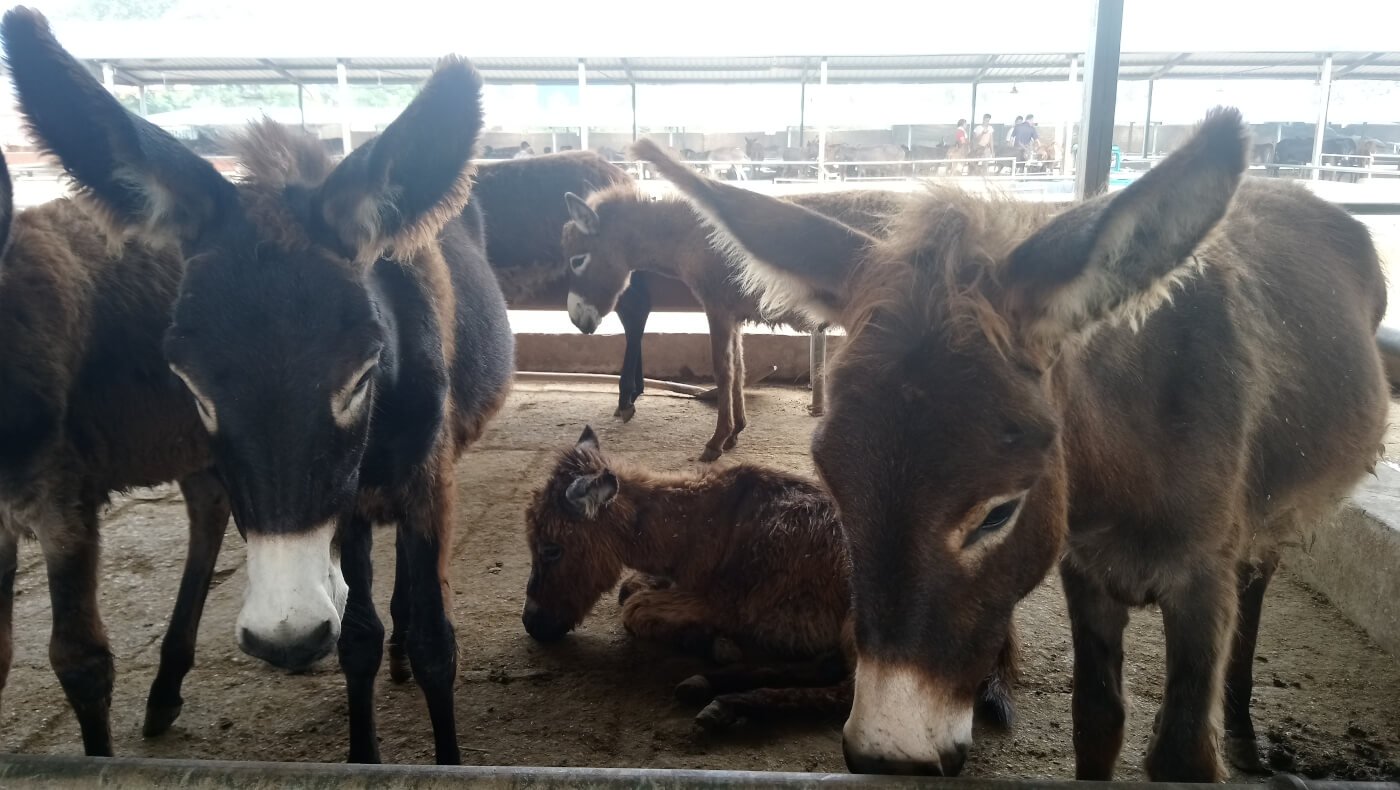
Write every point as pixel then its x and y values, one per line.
pixel 22 772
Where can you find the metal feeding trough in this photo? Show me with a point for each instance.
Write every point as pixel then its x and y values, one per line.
pixel 26 771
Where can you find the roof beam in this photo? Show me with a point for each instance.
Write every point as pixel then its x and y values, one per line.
pixel 1173 61
pixel 1356 64
pixel 627 70
pixel 281 72
pixel 987 64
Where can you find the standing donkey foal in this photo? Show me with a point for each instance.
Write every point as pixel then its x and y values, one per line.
pixel 1171 379
pixel 314 296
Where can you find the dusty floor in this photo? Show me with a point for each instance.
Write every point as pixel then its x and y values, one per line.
pixel 1325 701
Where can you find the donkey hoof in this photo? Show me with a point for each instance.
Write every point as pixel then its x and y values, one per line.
pixel 400 671
pixel 159 719
pixel 626 413
pixel 725 651
pixel 695 690
pixel 710 454
pixel 1243 753
pixel 731 442
pixel 716 716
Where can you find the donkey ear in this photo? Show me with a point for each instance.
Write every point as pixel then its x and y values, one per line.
pixel 582 214
pixel 589 493
pixel 138 175
pixel 7 210
pixel 796 258
pixel 401 188
pixel 1118 256
pixel 589 439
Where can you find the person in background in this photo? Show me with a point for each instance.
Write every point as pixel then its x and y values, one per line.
pixel 525 151
pixel 983 138
pixel 1011 132
pixel 1023 136
pixel 960 134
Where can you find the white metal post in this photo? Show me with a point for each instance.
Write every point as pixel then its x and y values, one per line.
pixel 554 141
pixel 342 78
pixel 1324 98
pixel 582 104
pixel 821 124
pixel 109 77
pixel 1147 125
pixel 142 89
pixel 1071 109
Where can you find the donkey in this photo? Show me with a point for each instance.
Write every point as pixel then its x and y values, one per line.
pixel 88 407
pixel 520 199
pixel 786 595
pixel 620 232
pixel 1165 381
pixel 313 295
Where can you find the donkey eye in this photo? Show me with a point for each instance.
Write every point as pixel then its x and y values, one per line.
pixel 999 517
pixel 577 263
pixel 551 552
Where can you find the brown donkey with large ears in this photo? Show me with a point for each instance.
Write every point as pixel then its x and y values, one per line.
pixel 315 295
pixel 1153 388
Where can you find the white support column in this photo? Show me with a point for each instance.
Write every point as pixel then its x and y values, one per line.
pixel 582 104
pixel 142 89
pixel 554 141
pixel 109 77
pixel 821 125
pixel 342 78
pixel 1072 106
pixel 1324 98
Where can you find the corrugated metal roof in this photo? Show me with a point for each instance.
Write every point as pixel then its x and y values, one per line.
pixel 990 67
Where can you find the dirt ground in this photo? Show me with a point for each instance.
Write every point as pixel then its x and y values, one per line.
pixel 1325 699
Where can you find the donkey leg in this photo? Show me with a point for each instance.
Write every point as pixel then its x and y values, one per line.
pixel 432 642
pixel 1242 747
pixel 701 689
pixel 638 581
pixel 722 356
pixel 727 710
pixel 736 398
pixel 361 645
pixel 995 697
pixel 1096 625
pixel 633 309
pixel 1199 616
pixel 78 648
pixel 676 617
pixel 206 503
pixel 9 563
pixel 400 610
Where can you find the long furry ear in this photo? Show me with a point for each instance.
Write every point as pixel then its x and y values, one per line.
pixel 136 175
pixel 582 214
pixel 794 258
pixel 400 189
pixel 1117 257
pixel 7 210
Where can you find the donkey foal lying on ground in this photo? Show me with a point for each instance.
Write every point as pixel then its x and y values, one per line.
pixel 783 593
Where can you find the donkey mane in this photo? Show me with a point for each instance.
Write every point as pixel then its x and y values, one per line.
pixel 277 156
pixel 939 267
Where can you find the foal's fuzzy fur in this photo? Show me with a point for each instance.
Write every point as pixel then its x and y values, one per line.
pixel 746 556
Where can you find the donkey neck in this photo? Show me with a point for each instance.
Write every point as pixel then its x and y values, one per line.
pixel 675 527
pixel 658 232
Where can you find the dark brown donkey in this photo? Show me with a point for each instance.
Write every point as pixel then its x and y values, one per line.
pixel 88 407
pixel 520 198
pixel 784 596
pixel 620 232
pixel 1170 379
pixel 312 296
